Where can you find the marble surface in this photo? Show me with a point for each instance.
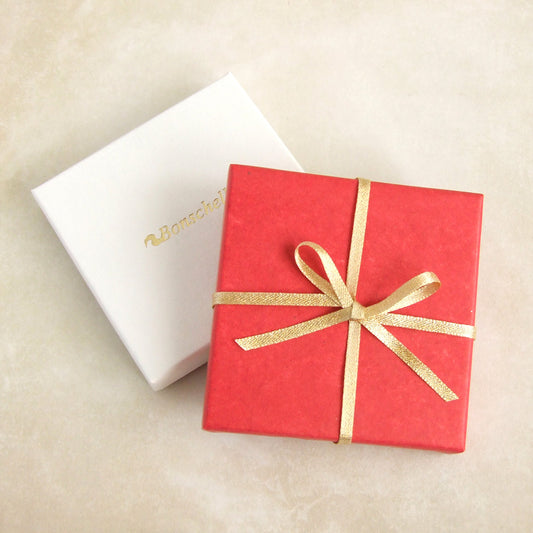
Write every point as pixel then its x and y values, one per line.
pixel 426 93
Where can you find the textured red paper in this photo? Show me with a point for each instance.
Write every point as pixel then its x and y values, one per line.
pixel 294 388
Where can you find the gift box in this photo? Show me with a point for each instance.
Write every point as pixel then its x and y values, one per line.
pixel 142 220
pixel 379 354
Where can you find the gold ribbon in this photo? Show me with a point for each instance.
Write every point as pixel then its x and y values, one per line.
pixel 337 293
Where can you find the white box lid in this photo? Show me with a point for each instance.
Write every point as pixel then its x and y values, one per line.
pixel 104 209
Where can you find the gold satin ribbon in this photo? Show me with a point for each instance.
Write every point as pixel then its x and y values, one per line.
pixel 337 293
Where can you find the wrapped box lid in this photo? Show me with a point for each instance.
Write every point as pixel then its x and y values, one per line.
pixel 295 386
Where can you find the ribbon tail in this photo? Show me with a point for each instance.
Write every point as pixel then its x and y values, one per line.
pixel 292 332
pixel 410 359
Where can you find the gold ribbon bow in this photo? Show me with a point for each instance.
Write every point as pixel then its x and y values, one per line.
pixel 337 293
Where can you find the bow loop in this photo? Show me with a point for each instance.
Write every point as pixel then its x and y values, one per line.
pixel 335 288
pixel 413 291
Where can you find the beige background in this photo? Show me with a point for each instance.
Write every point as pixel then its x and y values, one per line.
pixel 428 93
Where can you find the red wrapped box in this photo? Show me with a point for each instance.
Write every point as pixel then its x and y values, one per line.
pixel 295 387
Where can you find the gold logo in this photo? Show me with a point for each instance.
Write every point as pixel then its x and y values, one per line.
pixel 166 231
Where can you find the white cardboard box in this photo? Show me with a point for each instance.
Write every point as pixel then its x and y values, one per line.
pixel 142 218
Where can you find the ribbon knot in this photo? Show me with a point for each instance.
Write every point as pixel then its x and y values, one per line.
pixel 335 293
pixel 358 312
